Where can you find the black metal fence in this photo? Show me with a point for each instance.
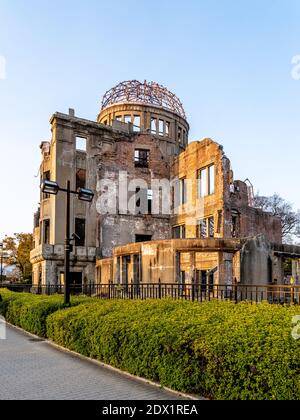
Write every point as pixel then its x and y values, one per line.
pixel 284 294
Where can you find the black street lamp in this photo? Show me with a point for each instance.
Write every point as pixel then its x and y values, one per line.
pixel 50 187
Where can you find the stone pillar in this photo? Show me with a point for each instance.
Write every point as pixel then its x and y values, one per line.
pixel 227 268
pixel 277 269
pixel 192 273
pixel 177 266
pixel 296 270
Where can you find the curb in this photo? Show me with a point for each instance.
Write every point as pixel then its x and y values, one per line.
pixel 108 367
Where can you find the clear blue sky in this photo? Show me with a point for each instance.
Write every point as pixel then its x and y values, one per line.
pixel 228 60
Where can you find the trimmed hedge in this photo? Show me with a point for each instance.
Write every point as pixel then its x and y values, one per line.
pixel 215 349
pixel 31 311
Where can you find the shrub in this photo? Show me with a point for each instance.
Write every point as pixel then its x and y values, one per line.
pixel 220 350
pixel 216 349
pixel 31 311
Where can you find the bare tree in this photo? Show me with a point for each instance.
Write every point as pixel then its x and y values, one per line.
pixel 279 207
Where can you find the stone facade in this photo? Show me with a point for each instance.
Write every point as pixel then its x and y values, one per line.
pixel 212 230
pixel 86 152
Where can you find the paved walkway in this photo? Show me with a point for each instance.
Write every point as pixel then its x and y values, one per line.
pixel 31 370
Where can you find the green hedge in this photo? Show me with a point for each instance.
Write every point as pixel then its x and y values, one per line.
pixel 215 349
pixel 31 311
pixel 219 350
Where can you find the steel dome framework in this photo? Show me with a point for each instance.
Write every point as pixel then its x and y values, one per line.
pixel 148 93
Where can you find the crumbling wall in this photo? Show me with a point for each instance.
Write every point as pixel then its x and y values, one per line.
pixel 256 262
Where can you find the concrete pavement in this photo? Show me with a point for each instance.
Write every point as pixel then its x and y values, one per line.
pixel 34 370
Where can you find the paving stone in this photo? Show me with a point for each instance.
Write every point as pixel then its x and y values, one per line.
pixel 38 371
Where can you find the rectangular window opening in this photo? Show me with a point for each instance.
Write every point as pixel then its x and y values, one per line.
pixel 179 232
pixel 127 119
pixel 161 128
pixel 153 125
pixel 211 227
pixel 81 144
pixel 211 180
pixel 80 179
pixel 150 201
pixel 143 238
pixel 183 192
pixel 80 232
pixel 179 134
pixel 202 183
pixel 202 229
pixel 46 177
pixel 168 125
pixel 142 158
pixel 47 232
pixel 137 123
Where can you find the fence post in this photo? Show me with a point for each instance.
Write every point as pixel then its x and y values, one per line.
pixel 131 290
pixel 235 292
pixel 159 289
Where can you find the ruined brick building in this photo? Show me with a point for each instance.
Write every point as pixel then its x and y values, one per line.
pixel 165 208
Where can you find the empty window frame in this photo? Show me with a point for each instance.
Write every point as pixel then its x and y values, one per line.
pixel 204 281
pixel 80 178
pixel 206 181
pixel 46 224
pixel 179 133
pixel 127 119
pixel 46 177
pixel 80 232
pixel 143 238
pixel 211 227
pixel 150 201
pixel 211 179
pixel 167 128
pixel 206 228
pixel 202 229
pixel 137 123
pixel 202 180
pixel 235 226
pixel 161 128
pixel 137 269
pixel 81 144
pixel 142 158
pixel 183 191
pixel 179 232
pixel 154 125
pixel 182 278
pixel 119 118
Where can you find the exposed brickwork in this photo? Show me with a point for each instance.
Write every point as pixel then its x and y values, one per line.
pixel 220 209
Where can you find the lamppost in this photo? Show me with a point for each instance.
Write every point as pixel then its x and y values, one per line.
pixel 84 194
pixel 1 263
